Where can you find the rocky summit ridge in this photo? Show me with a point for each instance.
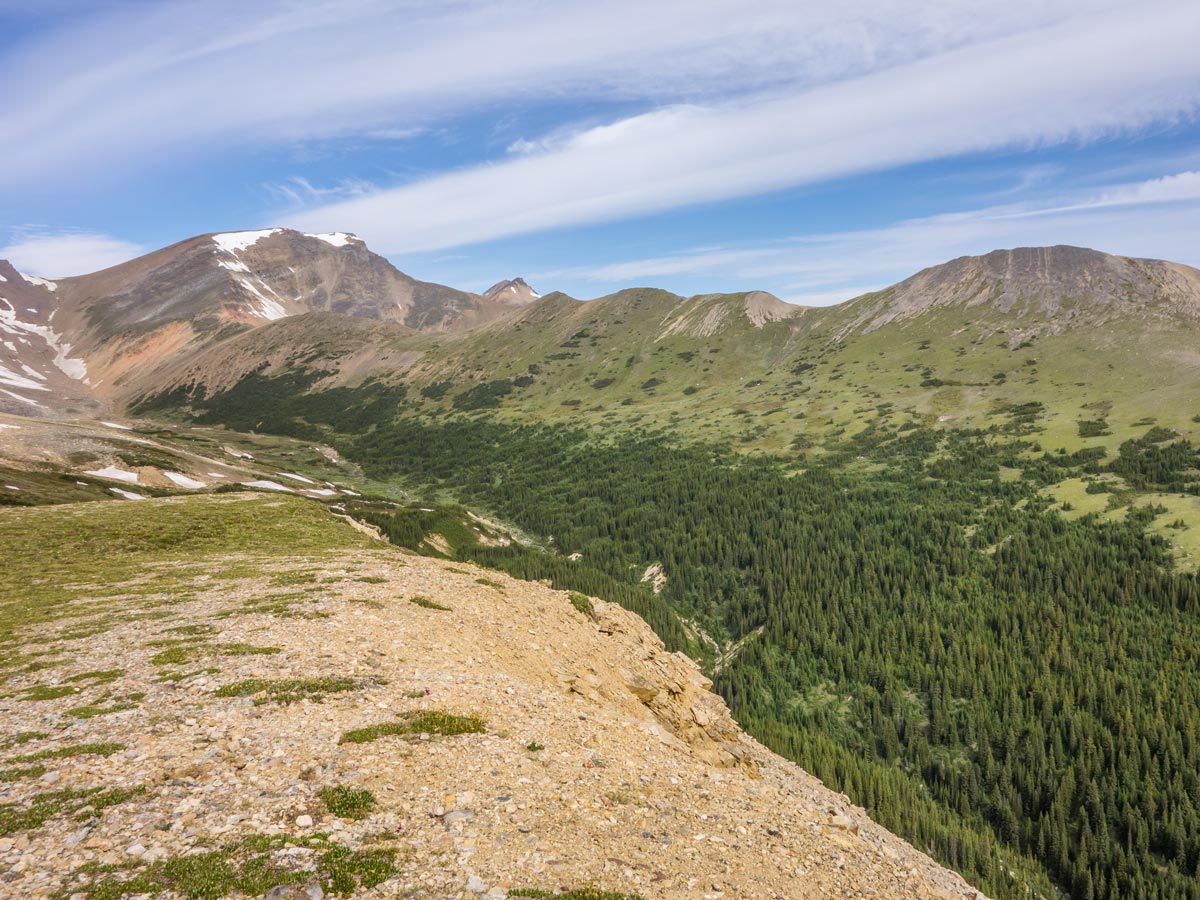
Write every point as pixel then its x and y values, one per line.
pixel 354 720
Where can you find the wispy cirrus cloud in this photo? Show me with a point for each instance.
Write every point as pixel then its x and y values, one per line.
pixel 1027 90
pixel 61 253
pixel 129 81
pixel 300 192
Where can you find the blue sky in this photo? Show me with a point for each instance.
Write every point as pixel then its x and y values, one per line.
pixel 814 150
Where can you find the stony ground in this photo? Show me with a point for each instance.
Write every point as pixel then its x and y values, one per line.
pixel 207 730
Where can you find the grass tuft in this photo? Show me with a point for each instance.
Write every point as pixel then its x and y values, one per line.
pixel 106 748
pixel 240 649
pixel 425 721
pixel 52 804
pixel 576 894
pixel 288 690
pixel 20 774
pixel 48 692
pixel 249 867
pixel 426 603
pixel 346 802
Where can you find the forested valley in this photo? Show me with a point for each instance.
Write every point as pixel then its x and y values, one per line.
pixel 1016 692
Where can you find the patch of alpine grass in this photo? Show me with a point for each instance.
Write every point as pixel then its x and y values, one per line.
pixel 22 737
pixel 16 817
pixel 98 677
pixel 20 774
pixel 247 867
pixel 239 649
pixel 425 603
pixel 116 704
pixel 48 692
pixel 104 748
pixel 347 802
pixel 288 690
pixel 587 893
pixel 417 722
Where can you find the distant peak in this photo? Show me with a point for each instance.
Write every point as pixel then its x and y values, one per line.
pixel 514 292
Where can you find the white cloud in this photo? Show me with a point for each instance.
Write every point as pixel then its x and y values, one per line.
pixel 133 81
pixel 1154 218
pixel 65 253
pixel 1168 189
pixel 1026 90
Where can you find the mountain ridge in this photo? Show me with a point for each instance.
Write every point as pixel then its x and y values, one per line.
pixel 182 316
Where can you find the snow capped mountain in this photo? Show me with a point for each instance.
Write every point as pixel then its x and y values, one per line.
pixel 74 344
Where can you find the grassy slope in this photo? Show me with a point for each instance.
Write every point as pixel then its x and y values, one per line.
pixel 92 564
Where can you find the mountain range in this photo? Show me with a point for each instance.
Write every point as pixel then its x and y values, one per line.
pixel 1073 329
pixel 937 543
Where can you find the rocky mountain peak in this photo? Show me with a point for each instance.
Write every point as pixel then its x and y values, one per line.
pixel 514 292
pixel 1046 287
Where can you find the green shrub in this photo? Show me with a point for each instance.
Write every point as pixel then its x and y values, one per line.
pixel 582 603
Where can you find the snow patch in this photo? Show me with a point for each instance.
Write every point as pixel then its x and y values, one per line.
pixel 233 241
pixel 321 492
pixel 12 379
pixel 268 309
pixel 349 493
pixel 184 482
pixel 115 473
pixel 33 279
pixel 3 425
pixel 12 487
pixel 33 373
pixel 75 368
pixel 267 486
pixel 115 425
pixel 19 397
pixel 296 477
pixel 128 495
pixel 236 266
pixel 336 238
pixel 214 475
